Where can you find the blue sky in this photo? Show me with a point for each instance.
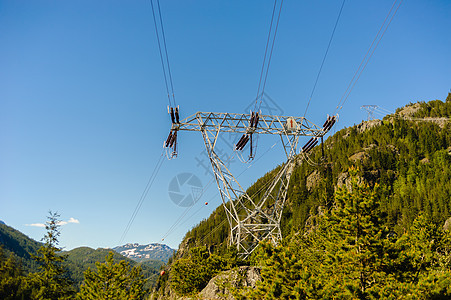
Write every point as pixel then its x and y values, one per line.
pixel 83 103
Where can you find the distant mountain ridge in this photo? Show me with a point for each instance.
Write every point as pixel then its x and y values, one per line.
pixel 141 253
pixel 14 242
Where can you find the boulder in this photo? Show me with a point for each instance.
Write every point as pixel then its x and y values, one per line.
pixel 447 225
pixel 220 285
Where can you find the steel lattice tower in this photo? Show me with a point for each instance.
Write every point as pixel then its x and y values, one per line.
pixel 251 220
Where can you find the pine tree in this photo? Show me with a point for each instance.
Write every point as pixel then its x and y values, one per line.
pixel 51 282
pixel 191 274
pixel 348 252
pixel 113 281
pixel 11 277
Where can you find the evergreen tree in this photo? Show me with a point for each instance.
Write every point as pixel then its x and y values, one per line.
pixel 349 253
pixel 191 274
pixel 11 277
pixel 113 281
pixel 51 282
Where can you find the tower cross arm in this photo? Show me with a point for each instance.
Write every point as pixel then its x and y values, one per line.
pixel 240 123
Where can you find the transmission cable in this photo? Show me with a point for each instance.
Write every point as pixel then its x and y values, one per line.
pixel 324 58
pixel 214 196
pixel 187 210
pixel 266 51
pixel 368 55
pixel 164 60
pixel 179 220
pixel 143 195
pixel 266 64
pixel 265 185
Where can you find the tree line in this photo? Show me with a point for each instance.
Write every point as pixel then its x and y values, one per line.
pixel 368 225
pixel 348 251
pixel 110 280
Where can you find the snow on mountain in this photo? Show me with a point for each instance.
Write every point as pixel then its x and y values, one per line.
pixel 140 253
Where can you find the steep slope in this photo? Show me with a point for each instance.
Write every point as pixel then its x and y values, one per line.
pixel 408 153
pixel 16 243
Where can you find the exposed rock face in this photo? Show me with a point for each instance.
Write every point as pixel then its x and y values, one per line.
pixel 409 110
pixel 345 180
pixel 183 248
pixel 441 122
pixel 447 225
pixel 359 156
pixel 342 179
pixel 425 160
pixel 219 286
pixel 311 222
pixel 313 179
pixel 365 125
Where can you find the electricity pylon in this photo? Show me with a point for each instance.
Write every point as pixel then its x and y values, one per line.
pixel 251 220
pixel 370 110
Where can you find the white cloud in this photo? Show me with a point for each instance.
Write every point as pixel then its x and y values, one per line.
pixel 61 223
pixel 72 220
pixel 36 225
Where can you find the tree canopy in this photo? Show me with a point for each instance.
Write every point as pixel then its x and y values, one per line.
pixel 113 281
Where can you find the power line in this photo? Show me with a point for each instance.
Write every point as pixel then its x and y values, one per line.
pixel 166 52
pixel 266 51
pixel 143 195
pixel 259 190
pixel 370 110
pixel 174 225
pixel 211 198
pixel 267 64
pixel 368 55
pixel 166 73
pixel 187 210
pixel 324 58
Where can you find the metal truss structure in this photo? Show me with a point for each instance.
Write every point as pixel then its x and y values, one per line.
pixel 370 110
pixel 251 220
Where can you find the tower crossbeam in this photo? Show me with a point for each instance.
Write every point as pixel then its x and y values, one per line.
pixel 252 220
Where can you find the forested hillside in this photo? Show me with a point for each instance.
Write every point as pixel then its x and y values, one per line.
pixel 26 264
pixel 405 158
pixel 16 243
pixel 408 153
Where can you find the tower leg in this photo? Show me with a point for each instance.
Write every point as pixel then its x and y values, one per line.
pixel 251 221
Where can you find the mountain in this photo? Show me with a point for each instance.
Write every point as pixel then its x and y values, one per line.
pixel 82 258
pixel 1 222
pixel 141 253
pixel 78 260
pixel 16 243
pixel 402 152
pixel 407 155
